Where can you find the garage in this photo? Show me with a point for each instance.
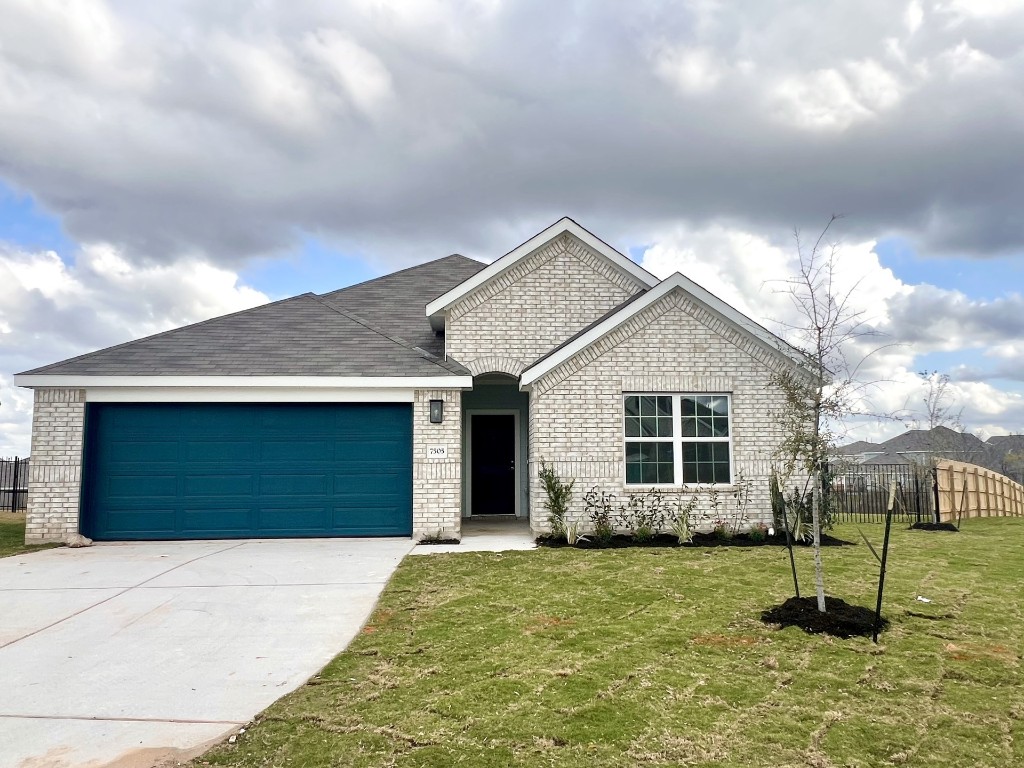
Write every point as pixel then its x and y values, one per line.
pixel 246 470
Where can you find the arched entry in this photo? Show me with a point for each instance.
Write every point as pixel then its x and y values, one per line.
pixel 495 425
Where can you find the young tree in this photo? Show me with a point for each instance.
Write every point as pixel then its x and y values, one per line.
pixel 817 399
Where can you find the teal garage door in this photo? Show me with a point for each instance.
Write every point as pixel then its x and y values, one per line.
pixel 220 471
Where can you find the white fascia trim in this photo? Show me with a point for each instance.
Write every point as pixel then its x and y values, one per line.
pixel 440 304
pixel 669 284
pixel 271 382
pixel 245 395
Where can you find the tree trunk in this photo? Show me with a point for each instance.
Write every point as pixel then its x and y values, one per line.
pixel 819 572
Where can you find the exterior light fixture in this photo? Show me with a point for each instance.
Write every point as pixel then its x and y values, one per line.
pixel 436 411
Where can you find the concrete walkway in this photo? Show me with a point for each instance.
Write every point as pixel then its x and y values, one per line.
pixel 486 534
pixel 130 654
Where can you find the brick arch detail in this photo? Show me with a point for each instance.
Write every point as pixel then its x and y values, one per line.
pixel 496 364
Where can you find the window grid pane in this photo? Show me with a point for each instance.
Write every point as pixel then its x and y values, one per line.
pixel 703 442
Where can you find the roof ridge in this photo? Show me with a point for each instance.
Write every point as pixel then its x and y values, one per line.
pixel 399 272
pixel 430 358
pixel 167 332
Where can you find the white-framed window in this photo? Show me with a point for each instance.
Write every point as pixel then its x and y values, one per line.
pixel 682 439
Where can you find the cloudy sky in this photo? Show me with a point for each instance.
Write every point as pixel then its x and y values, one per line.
pixel 161 163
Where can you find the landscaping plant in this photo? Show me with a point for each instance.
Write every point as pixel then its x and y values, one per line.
pixel 559 494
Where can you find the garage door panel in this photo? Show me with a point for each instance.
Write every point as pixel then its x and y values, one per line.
pixel 146 486
pixel 153 520
pixel 219 451
pixel 294 518
pixel 142 451
pixel 304 484
pixel 220 485
pixel 293 451
pixel 175 470
pixel 212 519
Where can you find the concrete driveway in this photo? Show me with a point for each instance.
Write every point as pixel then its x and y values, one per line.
pixel 131 654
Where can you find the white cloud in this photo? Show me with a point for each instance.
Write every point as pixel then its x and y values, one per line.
pixel 691 70
pixel 52 311
pixel 836 98
pixel 361 75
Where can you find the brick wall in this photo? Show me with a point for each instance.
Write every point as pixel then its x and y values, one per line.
pixel 437 483
pixel 673 346
pixel 535 306
pixel 55 473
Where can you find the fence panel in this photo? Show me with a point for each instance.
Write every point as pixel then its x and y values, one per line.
pixel 859 493
pixel 967 490
pixel 13 484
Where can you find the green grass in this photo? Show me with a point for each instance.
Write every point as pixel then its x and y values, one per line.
pixel 12 535
pixel 658 658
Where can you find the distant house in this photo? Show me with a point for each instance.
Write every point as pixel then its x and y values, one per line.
pixel 922 446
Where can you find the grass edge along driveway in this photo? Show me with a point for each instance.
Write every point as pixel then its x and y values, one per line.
pixel 12 536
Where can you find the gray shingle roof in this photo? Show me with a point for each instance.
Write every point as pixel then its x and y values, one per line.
pixel 377 328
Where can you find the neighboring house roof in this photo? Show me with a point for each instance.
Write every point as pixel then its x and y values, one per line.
pixel 358 331
pixel 435 309
pixel 938 439
pixel 861 446
pixel 636 304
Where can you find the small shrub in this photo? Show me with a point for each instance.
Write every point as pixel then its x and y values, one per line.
pixel 599 510
pixel 644 514
pixel 574 533
pixel 722 530
pixel 559 495
pixel 680 520
pixel 758 532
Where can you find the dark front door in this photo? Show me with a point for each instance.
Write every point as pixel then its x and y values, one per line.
pixel 493 474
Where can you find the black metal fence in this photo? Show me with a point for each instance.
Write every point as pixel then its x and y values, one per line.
pixel 13 484
pixel 859 493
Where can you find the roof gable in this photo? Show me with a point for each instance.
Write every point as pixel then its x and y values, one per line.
pixel 435 309
pixel 640 302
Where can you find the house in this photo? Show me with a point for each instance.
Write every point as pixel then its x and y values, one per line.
pixel 402 405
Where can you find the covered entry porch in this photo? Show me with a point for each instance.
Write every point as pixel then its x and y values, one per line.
pixel 495 424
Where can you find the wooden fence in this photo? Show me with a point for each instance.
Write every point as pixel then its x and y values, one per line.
pixel 987 494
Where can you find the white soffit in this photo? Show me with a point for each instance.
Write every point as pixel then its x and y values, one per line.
pixel 436 308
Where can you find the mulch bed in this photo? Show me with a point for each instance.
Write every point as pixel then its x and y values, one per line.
pixel 622 541
pixel 428 542
pixel 840 619
pixel 935 527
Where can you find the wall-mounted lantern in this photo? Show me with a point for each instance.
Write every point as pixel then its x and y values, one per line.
pixel 436 411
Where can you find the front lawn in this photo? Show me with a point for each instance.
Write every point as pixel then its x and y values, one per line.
pixel 12 535
pixel 657 657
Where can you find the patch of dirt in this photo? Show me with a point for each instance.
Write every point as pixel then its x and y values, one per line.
pixel 976 651
pixel 700 540
pixel 935 527
pixel 840 619
pixel 540 623
pixel 428 542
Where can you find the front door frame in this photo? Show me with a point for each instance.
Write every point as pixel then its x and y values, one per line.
pixel 514 413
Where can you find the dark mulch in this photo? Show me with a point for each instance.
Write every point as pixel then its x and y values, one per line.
pixel 935 527
pixel 439 541
pixel 623 541
pixel 840 619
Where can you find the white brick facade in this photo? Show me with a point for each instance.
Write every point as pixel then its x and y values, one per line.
pixel 673 346
pixel 533 307
pixel 55 472
pixel 437 483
